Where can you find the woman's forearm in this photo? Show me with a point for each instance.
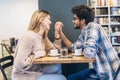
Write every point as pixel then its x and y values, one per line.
pixel 66 41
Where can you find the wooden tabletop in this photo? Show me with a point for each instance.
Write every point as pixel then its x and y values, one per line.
pixel 52 60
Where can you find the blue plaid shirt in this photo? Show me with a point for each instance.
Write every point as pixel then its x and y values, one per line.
pixel 95 44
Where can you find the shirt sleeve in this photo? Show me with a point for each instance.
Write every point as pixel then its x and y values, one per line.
pixel 91 41
pixel 77 44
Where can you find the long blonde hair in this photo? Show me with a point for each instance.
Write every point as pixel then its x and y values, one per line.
pixel 36 18
pixel 35 22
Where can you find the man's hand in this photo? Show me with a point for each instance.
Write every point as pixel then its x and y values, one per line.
pixel 58 28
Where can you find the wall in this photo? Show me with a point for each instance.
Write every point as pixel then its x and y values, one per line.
pixel 15 16
pixel 61 11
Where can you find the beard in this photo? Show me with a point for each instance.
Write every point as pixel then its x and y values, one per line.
pixel 77 27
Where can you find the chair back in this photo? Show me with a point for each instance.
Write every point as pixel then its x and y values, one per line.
pixel 5 62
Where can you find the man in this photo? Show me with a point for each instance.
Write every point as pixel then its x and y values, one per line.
pixel 95 44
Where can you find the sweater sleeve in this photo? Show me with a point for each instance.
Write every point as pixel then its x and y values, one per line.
pixel 24 51
pixel 55 45
pixel 58 43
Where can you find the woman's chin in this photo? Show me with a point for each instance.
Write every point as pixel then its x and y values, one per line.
pixel 48 29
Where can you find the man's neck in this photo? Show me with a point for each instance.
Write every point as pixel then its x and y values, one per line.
pixel 82 27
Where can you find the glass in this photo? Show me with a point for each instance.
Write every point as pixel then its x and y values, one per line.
pixel 64 52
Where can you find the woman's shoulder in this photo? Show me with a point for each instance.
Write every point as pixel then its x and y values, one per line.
pixel 28 35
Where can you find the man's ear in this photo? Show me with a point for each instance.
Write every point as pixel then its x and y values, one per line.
pixel 83 20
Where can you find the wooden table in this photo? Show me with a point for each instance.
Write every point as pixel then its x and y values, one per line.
pixel 52 60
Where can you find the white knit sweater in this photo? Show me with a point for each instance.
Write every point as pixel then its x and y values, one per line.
pixel 29 47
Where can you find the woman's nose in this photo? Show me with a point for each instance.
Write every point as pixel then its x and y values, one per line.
pixel 50 22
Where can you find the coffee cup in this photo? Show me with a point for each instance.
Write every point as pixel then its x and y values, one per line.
pixel 78 52
pixel 53 51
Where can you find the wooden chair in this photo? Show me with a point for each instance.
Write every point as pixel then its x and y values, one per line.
pixel 5 62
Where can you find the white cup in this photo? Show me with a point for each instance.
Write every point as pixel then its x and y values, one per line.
pixel 78 51
pixel 53 51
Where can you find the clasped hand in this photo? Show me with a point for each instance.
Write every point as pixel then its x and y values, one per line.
pixel 58 29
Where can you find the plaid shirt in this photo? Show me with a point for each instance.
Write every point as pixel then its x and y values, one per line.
pixel 95 44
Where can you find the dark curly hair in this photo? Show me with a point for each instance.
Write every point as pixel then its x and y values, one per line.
pixel 84 12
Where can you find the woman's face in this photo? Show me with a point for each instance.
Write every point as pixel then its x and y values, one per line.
pixel 46 22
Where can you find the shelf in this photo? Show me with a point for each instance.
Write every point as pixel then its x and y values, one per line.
pixel 112 15
pixel 107 14
pixel 104 24
pixel 101 15
pixel 116 44
pixel 99 7
pixel 115 23
pixel 115 6
pixel 115 34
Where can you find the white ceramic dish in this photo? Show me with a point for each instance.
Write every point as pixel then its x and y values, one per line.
pixel 76 54
pixel 53 55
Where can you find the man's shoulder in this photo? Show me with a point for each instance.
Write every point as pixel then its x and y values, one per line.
pixel 93 25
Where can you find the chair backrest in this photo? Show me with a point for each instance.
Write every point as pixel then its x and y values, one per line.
pixel 5 62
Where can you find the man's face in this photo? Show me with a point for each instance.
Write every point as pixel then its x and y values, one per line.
pixel 76 22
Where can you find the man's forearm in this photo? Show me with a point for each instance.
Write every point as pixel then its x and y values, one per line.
pixel 66 41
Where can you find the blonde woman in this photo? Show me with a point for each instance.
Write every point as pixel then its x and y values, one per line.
pixel 34 44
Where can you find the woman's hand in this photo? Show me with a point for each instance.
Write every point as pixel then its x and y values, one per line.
pixel 58 28
pixel 40 53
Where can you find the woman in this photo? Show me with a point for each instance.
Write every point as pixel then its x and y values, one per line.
pixel 34 44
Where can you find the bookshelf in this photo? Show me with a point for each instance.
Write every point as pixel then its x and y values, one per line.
pixel 107 13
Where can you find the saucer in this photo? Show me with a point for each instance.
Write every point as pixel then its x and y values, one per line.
pixel 53 55
pixel 77 54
